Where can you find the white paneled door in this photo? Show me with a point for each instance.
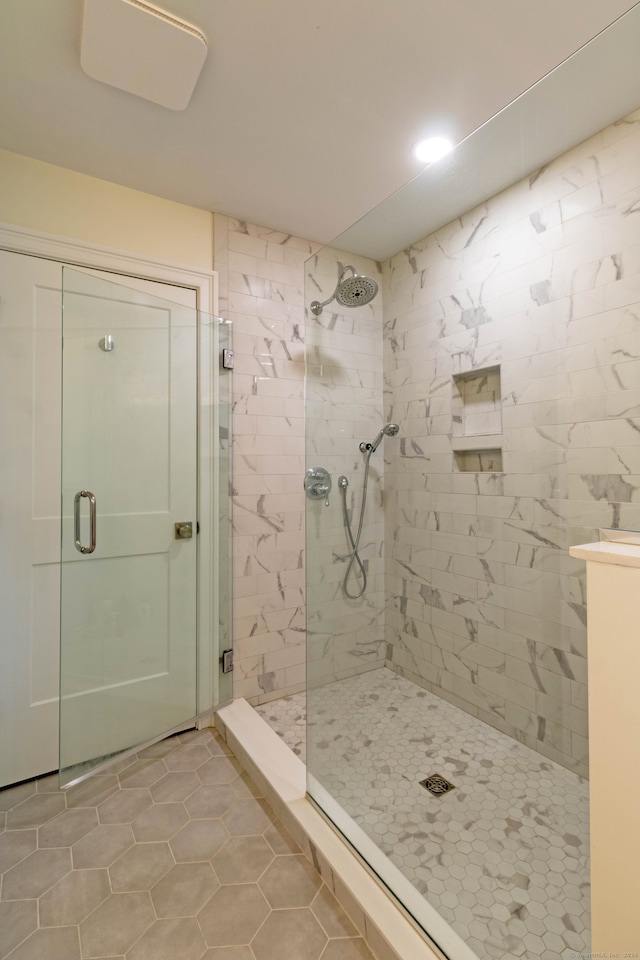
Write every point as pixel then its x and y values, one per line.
pixel 110 623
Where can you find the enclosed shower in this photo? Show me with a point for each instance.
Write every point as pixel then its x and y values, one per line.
pixel 495 360
pixel 446 674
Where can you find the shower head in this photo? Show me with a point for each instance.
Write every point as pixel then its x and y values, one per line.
pixel 389 430
pixel 355 291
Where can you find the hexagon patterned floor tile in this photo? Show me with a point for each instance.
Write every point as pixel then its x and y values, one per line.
pixel 503 856
pixel 171 854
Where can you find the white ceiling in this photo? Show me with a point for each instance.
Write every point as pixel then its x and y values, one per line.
pixel 305 112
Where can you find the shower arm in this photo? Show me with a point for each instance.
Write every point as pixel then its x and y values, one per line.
pixel 316 307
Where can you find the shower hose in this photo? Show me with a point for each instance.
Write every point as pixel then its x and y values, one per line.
pixel 355 543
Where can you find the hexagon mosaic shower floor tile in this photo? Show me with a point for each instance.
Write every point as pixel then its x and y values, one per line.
pixel 503 857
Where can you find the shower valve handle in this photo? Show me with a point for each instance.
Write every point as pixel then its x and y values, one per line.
pixel 317 484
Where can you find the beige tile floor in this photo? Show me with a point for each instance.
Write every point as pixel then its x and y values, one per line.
pixel 172 855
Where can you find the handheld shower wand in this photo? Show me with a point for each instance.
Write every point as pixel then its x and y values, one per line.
pixel 389 430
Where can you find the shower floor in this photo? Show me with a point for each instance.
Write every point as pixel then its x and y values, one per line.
pixel 503 857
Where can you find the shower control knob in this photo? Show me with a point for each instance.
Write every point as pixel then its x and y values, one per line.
pixel 317 484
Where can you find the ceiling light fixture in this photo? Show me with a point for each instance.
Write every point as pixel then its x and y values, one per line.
pixel 432 149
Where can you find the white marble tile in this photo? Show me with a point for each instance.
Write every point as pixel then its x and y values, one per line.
pixel 261 273
pixel 569 369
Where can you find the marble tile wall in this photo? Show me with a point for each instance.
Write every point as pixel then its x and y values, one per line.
pixel 261 275
pixel 344 405
pixel 261 279
pixel 484 605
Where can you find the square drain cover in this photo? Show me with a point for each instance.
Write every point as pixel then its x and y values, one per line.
pixel 437 784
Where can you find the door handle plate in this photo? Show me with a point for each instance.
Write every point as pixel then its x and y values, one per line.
pixel 183 531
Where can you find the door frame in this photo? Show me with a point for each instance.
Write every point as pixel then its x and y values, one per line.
pixel 77 253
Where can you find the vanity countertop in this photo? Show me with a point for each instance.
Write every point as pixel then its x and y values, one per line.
pixel 621 547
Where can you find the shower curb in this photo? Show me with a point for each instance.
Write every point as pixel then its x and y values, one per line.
pixel 276 770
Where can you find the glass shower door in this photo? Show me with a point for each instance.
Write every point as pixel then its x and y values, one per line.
pixel 129 521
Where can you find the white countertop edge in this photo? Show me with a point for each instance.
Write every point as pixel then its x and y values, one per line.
pixel 608 551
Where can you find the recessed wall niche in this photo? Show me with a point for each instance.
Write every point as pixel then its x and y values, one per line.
pixel 476 431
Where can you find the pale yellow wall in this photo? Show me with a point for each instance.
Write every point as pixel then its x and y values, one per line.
pixel 40 196
pixel 613 596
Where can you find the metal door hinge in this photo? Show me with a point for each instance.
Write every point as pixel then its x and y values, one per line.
pixel 227 661
pixel 227 359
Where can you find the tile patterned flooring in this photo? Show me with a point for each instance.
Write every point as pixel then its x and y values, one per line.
pixel 503 857
pixel 170 855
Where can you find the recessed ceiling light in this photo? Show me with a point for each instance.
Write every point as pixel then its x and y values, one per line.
pixel 432 149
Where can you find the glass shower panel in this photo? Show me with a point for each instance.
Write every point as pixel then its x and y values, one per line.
pixel 215 423
pixel 132 411
pixel 353 715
